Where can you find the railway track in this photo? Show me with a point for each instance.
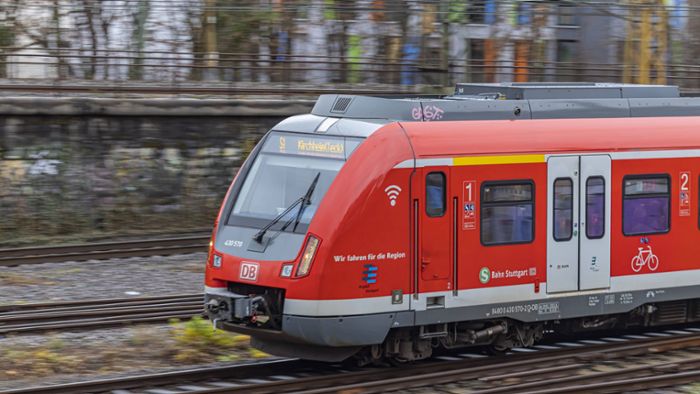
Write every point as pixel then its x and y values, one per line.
pixel 40 317
pixel 104 250
pixel 611 364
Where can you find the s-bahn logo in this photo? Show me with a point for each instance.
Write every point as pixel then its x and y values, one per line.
pixel 484 275
pixel 392 192
pixel 249 271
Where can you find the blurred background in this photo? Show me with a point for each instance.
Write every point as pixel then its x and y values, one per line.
pixel 401 42
pixel 130 117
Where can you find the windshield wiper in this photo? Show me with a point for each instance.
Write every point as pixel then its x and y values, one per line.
pixel 304 200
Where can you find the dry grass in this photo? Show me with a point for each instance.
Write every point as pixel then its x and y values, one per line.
pixel 9 279
pixel 147 347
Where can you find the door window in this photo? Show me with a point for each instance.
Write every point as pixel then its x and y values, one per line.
pixel 563 209
pixel 595 207
pixel 435 194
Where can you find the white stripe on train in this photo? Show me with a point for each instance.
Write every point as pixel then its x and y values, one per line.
pixel 482 296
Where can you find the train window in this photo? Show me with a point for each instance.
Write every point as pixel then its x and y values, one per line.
pixel 507 212
pixel 595 207
pixel 563 209
pixel 646 204
pixel 435 194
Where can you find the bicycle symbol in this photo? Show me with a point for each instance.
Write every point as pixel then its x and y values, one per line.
pixel 645 257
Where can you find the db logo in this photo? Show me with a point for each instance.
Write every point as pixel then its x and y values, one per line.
pixel 249 271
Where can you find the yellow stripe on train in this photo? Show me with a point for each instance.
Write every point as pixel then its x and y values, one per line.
pixel 487 160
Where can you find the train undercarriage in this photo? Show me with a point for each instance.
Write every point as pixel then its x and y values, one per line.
pixel 498 336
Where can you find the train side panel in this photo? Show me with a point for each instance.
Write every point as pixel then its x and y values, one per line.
pixel 677 248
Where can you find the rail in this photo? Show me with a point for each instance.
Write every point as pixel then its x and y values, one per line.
pixel 104 250
pixel 560 367
pixel 92 314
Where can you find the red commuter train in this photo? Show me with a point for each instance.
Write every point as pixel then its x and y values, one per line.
pixel 382 228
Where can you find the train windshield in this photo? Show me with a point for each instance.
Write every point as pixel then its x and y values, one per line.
pixel 281 174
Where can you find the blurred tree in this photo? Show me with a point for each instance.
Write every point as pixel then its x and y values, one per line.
pixel 138 36
pixel 691 47
pixel 238 23
pixel 8 12
pixel 192 11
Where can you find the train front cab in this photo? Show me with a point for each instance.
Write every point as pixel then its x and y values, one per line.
pixel 313 287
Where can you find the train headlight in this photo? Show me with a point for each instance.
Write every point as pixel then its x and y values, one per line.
pixel 308 256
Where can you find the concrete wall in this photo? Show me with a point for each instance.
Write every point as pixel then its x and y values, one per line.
pixel 72 178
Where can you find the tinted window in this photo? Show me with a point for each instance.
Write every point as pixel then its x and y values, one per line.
pixel 646 205
pixel 507 213
pixel 503 193
pixel 435 194
pixel 563 209
pixel 595 207
pixel 635 187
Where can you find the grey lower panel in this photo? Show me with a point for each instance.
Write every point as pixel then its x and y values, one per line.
pixel 350 331
pixel 306 352
pixel 342 331
pixel 559 308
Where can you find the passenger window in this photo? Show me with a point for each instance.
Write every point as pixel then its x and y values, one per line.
pixel 646 205
pixel 595 207
pixel 563 209
pixel 507 212
pixel 435 194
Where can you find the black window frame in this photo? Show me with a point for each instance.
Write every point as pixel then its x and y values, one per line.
pixel 605 218
pixel 483 205
pixel 444 194
pixel 647 195
pixel 554 208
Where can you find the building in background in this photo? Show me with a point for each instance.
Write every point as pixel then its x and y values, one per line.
pixel 404 42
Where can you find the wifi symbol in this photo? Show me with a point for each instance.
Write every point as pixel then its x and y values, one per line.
pixel 393 192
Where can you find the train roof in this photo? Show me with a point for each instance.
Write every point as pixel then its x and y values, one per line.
pixel 517 101
pixel 551 136
pixel 360 116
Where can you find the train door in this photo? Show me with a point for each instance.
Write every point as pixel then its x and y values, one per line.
pixel 578 222
pixel 433 270
pixel 594 250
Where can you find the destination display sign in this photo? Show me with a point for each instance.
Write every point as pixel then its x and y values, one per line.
pixel 311 145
